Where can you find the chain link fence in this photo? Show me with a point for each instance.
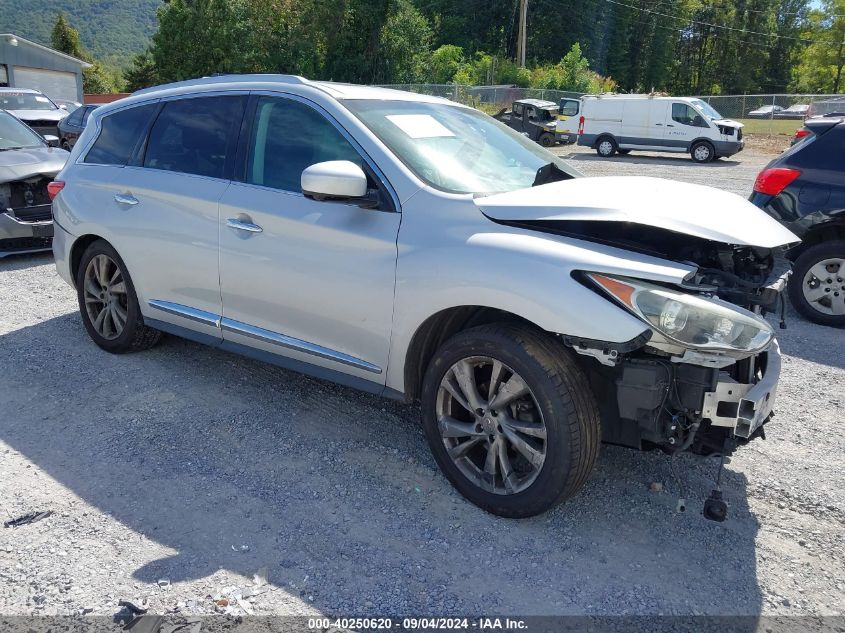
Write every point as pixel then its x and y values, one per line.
pixel 761 113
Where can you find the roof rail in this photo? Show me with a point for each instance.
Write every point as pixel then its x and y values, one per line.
pixel 225 78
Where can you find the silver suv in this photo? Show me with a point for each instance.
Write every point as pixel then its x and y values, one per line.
pixel 413 247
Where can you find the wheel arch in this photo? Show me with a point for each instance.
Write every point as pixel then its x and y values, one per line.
pixel 701 139
pixel 602 136
pixel 78 248
pixel 833 229
pixel 441 326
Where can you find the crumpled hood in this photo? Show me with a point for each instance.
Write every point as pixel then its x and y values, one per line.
pixel 40 115
pixel 19 164
pixel 729 123
pixel 696 210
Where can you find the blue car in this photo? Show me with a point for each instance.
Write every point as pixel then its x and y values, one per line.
pixel 804 189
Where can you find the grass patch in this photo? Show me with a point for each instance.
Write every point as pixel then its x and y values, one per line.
pixel 770 126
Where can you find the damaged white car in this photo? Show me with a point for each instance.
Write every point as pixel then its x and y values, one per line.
pixel 416 248
pixel 27 165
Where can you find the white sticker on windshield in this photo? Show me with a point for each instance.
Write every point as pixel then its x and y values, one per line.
pixel 42 99
pixel 419 125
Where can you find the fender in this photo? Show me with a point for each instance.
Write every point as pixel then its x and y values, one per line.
pixel 525 273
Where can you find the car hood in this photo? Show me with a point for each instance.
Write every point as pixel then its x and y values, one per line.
pixel 19 164
pixel 40 115
pixel 678 207
pixel 728 123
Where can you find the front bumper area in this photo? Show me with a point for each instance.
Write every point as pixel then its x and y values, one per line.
pixel 740 407
pixel 20 235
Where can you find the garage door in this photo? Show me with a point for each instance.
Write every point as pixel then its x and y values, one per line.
pixel 53 83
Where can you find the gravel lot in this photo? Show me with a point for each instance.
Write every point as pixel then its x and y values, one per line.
pixel 197 467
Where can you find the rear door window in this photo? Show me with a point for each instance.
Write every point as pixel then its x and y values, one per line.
pixel 195 136
pixel 288 136
pixel 119 135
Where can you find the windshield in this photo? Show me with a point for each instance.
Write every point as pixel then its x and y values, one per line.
pixel 708 110
pixel 454 148
pixel 25 101
pixel 14 134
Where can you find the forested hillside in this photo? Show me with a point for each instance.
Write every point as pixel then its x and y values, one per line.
pixel 682 46
pixel 112 30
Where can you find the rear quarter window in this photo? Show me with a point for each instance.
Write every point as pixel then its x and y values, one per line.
pixel 119 135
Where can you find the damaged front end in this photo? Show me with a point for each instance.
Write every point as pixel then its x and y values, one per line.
pixel 26 220
pixel 708 367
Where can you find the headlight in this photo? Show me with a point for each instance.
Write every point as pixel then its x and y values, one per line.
pixel 689 320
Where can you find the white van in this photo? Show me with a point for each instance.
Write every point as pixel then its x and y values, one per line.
pixel 621 123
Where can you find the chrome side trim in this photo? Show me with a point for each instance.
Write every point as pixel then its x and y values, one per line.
pixel 267 336
pixel 192 314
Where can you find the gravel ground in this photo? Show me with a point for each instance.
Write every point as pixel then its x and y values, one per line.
pixel 184 475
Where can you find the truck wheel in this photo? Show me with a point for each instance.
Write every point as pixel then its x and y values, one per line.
pixel 547 140
pixel 108 303
pixel 702 152
pixel 510 418
pixel 817 285
pixel 606 147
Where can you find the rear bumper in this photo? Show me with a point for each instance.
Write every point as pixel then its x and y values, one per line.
pixel 20 236
pixel 743 408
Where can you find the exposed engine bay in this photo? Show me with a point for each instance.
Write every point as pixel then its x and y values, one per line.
pixel 651 391
pixel 26 199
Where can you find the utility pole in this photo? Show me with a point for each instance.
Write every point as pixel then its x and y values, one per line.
pixel 521 35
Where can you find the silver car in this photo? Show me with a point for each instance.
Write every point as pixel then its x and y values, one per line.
pixel 416 248
pixel 27 165
pixel 33 108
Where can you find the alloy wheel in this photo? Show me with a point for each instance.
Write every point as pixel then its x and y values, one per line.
pixel 605 148
pixel 491 425
pixel 824 286
pixel 105 297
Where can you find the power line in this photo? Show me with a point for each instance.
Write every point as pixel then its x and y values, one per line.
pixel 717 26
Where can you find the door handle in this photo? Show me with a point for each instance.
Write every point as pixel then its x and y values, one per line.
pixel 126 198
pixel 658 124
pixel 240 225
pixel 669 125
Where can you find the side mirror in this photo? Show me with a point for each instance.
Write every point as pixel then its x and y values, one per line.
pixel 698 121
pixel 52 141
pixel 334 179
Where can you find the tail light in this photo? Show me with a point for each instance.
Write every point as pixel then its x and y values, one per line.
pixel 53 188
pixel 581 125
pixel 801 132
pixel 773 181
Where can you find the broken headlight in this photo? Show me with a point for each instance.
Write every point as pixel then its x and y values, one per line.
pixel 690 320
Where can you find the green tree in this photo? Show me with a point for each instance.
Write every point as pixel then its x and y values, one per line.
pixel 404 45
pixel 445 63
pixel 143 72
pixel 65 38
pixel 823 60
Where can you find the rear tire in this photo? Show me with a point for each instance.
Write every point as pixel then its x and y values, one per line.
pixel 555 415
pixel 606 147
pixel 817 285
pixel 702 152
pixel 108 303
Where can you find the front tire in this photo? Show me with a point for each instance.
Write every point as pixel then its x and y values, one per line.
pixel 108 303
pixel 702 152
pixel 510 418
pixel 547 140
pixel 817 285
